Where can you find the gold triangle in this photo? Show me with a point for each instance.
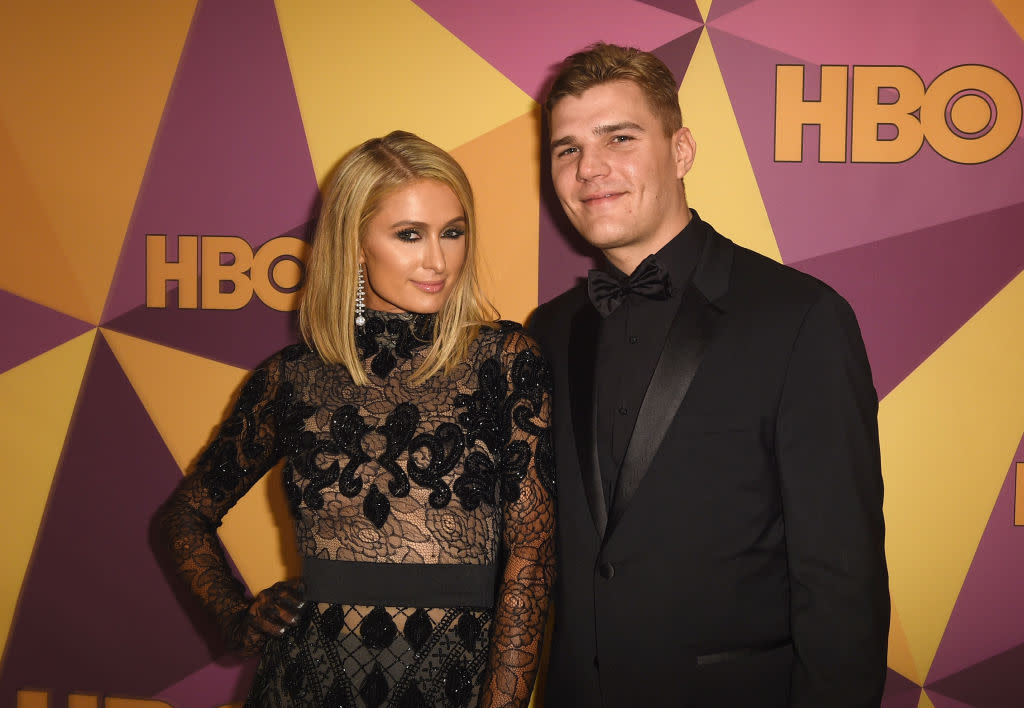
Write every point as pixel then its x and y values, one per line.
pixel 721 185
pixel 354 78
pixel 508 204
pixel 83 108
pixel 39 400
pixel 34 266
pixel 1013 11
pixel 947 431
pixel 187 396
pixel 900 658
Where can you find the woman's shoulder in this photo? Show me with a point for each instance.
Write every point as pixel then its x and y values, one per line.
pixel 508 345
pixel 283 359
pixel 504 337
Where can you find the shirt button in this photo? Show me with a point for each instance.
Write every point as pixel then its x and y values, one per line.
pixel 607 570
pixel 623 410
pixel 634 340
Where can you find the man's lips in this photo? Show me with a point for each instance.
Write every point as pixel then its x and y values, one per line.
pixel 600 198
pixel 429 286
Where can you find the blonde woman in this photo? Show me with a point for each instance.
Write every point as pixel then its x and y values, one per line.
pixel 418 463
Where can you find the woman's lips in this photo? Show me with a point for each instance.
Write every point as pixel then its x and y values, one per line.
pixel 429 286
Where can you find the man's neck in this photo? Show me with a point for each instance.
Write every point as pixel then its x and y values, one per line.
pixel 627 258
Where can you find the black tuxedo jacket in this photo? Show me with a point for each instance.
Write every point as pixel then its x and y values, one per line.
pixel 742 560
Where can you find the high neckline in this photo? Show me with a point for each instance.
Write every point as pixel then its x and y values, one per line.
pixel 389 336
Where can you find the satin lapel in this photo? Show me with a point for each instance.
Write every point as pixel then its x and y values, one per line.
pixel 688 337
pixel 582 360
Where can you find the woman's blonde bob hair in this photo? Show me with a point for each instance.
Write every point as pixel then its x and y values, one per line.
pixel 362 180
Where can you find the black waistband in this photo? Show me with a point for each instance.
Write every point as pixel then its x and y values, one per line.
pixel 399 584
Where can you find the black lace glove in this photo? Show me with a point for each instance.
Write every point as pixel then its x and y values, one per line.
pixel 270 614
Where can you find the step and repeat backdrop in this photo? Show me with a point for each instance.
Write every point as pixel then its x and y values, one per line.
pixel 160 164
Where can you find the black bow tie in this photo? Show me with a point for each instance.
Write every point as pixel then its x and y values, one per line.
pixel 649 280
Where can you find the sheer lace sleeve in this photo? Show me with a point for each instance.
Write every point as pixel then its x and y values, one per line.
pixel 243 450
pixel 527 492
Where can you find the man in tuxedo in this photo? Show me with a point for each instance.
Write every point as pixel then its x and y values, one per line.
pixel 720 529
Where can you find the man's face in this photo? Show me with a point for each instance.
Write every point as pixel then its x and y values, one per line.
pixel 615 171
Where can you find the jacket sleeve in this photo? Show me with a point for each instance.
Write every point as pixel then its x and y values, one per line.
pixel 830 474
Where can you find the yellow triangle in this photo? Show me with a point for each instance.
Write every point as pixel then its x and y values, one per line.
pixel 946 434
pixel 508 204
pixel 38 401
pixel 82 108
pixel 187 396
pixel 925 701
pixel 364 69
pixel 260 535
pixel 721 185
pixel 900 659
pixel 705 7
pixel 1013 11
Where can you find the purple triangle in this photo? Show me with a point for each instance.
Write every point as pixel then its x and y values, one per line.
pixel 242 338
pixel 231 157
pixel 987 617
pixel 98 612
pixel 677 55
pixel 724 7
pixel 900 692
pixel 940 701
pixel 683 8
pixel 216 684
pixel 928 36
pixel 563 255
pixel 32 329
pixel 526 40
pixel 913 291
pixel 997 682
pixel 816 208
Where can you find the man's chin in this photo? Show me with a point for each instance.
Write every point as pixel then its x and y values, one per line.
pixel 605 240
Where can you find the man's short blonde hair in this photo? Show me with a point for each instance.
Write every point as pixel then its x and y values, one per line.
pixel 602 63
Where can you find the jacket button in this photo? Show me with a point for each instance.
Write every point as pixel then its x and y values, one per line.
pixel 597 664
pixel 607 570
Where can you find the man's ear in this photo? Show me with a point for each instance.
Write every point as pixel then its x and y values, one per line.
pixel 684 149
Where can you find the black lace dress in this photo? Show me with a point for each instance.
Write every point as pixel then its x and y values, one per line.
pixel 424 516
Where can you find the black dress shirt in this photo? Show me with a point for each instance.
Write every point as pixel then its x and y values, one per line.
pixel 629 344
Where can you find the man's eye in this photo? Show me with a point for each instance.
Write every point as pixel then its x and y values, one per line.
pixel 408 235
pixel 622 138
pixel 568 151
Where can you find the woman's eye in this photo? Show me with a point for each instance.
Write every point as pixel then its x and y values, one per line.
pixel 408 235
pixel 453 233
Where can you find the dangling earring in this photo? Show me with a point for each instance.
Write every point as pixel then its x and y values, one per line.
pixel 360 295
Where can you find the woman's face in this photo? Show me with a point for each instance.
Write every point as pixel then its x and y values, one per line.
pixel 413 248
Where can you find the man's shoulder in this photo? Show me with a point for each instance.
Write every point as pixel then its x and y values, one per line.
pixel 560 308
pixel 765 280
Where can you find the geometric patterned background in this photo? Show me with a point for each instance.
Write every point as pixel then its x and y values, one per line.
pixel 218 119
